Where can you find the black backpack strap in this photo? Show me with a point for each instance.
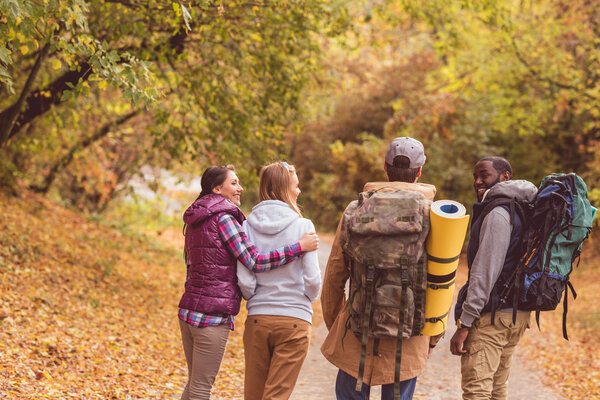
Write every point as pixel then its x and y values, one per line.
pixel 403 302
pixel 420 296
pixel 351 314
pixel 494 297
pixel 554 224
pixel 566 307
pixel 365 324
pixel 517 291
pixel 350 299
pixel 546 265
pixel 437 282
pixel 437 286
pixel 496 202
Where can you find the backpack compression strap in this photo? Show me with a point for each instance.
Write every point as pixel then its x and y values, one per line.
pixel 365 324
pixel 418 323
pixel 566 306
pixel 351 300
pixel 403 302
pixel 437 286
pixel 558 213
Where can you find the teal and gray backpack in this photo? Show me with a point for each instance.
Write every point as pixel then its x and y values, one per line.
pixel 555 226
pixel 384 236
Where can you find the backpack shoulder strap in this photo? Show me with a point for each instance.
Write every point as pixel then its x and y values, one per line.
pixel 515 208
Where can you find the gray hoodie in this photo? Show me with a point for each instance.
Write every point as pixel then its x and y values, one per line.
pixel 288 290
pixel 494 239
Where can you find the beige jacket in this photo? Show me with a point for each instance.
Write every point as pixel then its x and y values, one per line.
pixel 341 347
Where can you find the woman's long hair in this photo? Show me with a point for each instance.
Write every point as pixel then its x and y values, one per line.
pixel 212 177
pixel 276 182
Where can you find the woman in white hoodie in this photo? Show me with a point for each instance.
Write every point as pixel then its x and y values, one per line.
pixel 277 330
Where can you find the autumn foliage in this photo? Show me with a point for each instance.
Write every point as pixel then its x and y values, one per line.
pixel 92 90
pixel 90 312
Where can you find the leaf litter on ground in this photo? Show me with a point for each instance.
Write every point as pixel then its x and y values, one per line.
pixel 90 312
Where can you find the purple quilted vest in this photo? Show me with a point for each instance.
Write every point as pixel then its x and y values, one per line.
pixel 211 282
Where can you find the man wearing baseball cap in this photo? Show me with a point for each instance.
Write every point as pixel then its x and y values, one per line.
pixel 404 161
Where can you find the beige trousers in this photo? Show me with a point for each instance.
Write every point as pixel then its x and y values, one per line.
pixel 486 365
pixel 204 349
pixel 274 348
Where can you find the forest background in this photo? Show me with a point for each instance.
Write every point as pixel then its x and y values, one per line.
pixel 91 91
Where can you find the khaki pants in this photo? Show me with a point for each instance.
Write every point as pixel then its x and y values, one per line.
pixel 274 348
pixel 486 365
pixel 204 349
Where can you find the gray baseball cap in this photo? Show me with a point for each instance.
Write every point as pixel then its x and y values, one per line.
pixel 407 147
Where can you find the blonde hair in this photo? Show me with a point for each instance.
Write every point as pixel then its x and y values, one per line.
pixel 276 182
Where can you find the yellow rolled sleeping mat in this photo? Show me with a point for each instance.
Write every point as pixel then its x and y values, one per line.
pixel 446 237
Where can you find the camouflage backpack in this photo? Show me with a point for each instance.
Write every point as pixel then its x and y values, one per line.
pixel 384 237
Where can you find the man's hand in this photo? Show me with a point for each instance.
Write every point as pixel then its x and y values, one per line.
pixel 457 341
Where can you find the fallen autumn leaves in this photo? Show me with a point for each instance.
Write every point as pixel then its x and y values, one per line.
pixel 90 312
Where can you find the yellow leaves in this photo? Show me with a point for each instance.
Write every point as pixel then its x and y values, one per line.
pixel 56 64
pixel 51 335
pixel 10 34
pixel 255 36
pixel 24 49
pixel 43 374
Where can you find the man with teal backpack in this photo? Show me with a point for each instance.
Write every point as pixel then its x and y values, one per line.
pixel 558 222
pixel 521 250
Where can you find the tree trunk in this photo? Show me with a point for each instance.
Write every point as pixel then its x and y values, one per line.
pixel 9 117
pixel 67 158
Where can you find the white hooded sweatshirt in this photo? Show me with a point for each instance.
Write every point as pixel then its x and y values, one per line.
pixel 288 290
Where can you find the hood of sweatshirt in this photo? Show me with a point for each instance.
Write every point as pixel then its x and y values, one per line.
pixel 518 189
pixel 270 217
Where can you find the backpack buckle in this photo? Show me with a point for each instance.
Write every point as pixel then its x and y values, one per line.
pixel 404 263
pixel 404 276
pixel 370 275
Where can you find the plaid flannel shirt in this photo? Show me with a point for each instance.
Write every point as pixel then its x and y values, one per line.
pixel 235 238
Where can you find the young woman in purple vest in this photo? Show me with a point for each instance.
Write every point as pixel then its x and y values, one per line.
pixel 277 330
pixel 214 242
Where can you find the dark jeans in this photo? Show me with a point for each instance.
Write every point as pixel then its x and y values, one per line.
pixel 345 385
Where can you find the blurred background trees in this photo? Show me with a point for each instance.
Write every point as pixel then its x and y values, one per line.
pixel 93 90
pixel 468 79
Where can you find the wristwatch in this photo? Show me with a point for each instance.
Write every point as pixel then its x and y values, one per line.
pixel 459 324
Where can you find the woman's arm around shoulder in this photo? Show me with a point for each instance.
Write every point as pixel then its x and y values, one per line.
pixel 234 237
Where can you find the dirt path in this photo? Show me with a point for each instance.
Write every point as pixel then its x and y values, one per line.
pixel 441 381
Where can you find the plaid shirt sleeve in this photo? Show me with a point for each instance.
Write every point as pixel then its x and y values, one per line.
pixel 234 236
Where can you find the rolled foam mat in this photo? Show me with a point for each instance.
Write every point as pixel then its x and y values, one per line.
pixel 448 229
